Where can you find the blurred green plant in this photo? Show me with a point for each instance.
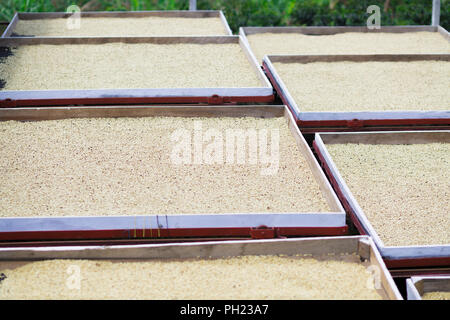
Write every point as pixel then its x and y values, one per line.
pixel 353 12
pixel 325 12
pixel 252 12
pixel 259 12
pixel 9 7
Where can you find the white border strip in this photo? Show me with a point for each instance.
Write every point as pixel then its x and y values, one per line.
pixel 176 221
pixel 373 115
pixel 346 191
pixel 252 59
pixel 135 93
pixel 8 31
pixel 411 291
pixel 282 86
pixel 225 23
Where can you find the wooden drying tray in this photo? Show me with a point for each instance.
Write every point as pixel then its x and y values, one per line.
pixel 362 246
pixel 417 286
pixel 9 32
pixel 310 122
pixel 323 31
pixel 252 225
pixel 395 256
pixel 262 93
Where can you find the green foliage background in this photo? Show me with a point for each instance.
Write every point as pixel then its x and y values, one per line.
pixel 260 12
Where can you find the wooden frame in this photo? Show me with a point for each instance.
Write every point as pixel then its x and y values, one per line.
pixel 262 93
pixel 175 226
pixel 396 256
pixel 354 121
pixel 325 30
pixel 9 32
pixel 317 31
pixel 362 246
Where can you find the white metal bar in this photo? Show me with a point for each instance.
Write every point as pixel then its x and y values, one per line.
pixel 346 191
pixel 225 23
pixel 370 115
pixel 11 26
pixel 264 90
pixel 289 99
pixel 411 291
pixel 192 5
pixel 415 252
pixel 254 63
pixel 436 14
pixel 443 32
pixel 234 220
